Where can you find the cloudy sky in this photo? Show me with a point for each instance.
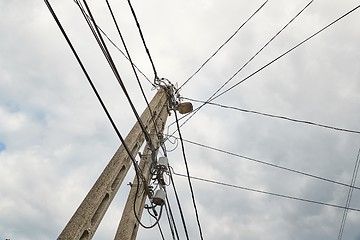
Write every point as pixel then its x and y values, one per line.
pixel 55 139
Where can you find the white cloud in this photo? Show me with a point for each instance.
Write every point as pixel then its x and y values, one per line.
pixel 55 139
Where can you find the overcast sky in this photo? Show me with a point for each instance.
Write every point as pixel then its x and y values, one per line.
pixel 55 140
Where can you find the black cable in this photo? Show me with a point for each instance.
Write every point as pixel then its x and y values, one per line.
pixel 108 57
pixel 161 232
pixel 169 221
pixel 92 86
pixel 271 62
pixel 268 193
pixel 143 39
pixel 188 174
pixel 179 206
pixel 276 116
pixel 122 53
pixel 237 30
pixel 288 51
pixel 172 218
pixel 271 164
pixel 349 196
pixel 132 65
pixel 261 49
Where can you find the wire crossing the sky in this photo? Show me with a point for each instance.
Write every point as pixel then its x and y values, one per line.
pixel 267 192
pixel 114 44
pixel 92 25
pixel 275 116
pixel 133 67
pixel 274 60
pixel 93 87
pixel 288 51
pixel 179 206
pixel 349 196
pixel 237 30
pixel 143 40
pixel 270 164
pixel 188 174
pixel 212 97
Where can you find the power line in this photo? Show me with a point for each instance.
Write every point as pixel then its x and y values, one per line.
pixel 108 57
pixel 261 49
pixel 179 206
pixel 122 53
pixel 188 174
pixel 161 232
pixel 271 164
pixel 211 98
pixel 132 65
pixel 288 51
pixel 237 30
pixel 143 40
pixel 348 200
pixel 267 192
pixel 275 116
pixel 170 217
pixel 92 86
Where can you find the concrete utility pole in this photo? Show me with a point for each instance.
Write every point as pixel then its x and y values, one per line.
pixel 88 216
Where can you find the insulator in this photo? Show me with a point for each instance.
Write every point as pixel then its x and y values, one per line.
pixel 159 197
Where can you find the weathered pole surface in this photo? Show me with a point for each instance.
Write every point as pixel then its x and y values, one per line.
pixel 129 223
pixel 89 214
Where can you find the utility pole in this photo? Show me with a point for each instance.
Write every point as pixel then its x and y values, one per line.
pixel 89 214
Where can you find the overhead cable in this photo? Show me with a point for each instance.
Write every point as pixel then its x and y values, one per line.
pixel 188 174
pixel 237 30
pixel 133 67
pixel 93 87
pixel 121 51
pixel 285 53
pixel 212 97
pixel 170 217
pixel 271 164
pixel 93 26
pixel 267 192
pixel 161 232
pixel 276 116
pixel 349 196
pixel 179 206
pixel 143 40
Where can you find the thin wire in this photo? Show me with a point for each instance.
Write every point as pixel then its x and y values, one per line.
pixel 288 51
pixel 161 232
pixel 261 49
pixel 188 174
pixel 237 30
pixel 272 165
pixel 179 206
pixel 348 200
pixel 132 65
pixel 122 53
pixel 112 65
pixel 266 192
pixel 271 62
pixel 108 57
pixel 172 218
pixel 276 116
pixel 169 221
pixel 143 39
pixel 92 86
